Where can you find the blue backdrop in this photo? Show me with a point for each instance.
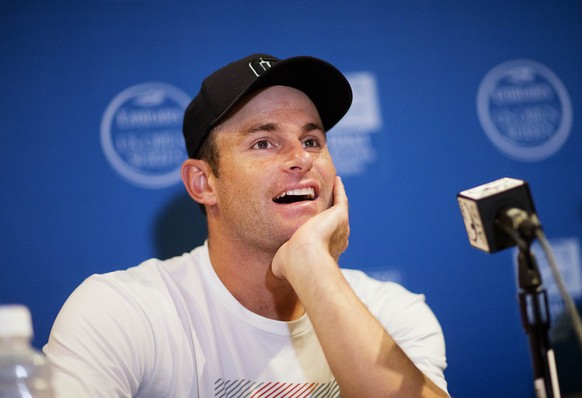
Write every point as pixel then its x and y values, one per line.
pixel 448 95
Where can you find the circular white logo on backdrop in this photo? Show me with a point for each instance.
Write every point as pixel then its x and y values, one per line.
pixel 141 134
pixel 524 109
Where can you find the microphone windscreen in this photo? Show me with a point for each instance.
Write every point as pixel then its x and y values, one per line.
pixel 481 207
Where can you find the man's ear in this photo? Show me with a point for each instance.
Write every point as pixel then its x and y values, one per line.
pixel 195 175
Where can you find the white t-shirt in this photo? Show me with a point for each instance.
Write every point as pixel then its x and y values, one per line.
pixel 172 329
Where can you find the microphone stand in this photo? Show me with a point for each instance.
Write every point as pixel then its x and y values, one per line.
pixel 535 318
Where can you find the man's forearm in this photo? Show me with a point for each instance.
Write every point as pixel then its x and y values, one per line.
pixel 364 358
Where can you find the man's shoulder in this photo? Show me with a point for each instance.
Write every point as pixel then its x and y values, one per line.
pixel 382 296
pixel 149 289
pixel 361 281
pixel 145 282
pixel 152 271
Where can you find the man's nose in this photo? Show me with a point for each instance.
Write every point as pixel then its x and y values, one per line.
pixel 298 159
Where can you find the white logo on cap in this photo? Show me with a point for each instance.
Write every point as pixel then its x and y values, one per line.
pixel 261 65
pixel 525 110
pixel 141 134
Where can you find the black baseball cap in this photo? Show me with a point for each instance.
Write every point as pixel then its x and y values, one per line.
pixel 323 83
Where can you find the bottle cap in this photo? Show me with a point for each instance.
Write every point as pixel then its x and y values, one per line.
pixel 15 321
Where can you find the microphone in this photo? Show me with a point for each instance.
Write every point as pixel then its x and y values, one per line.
pixel 494 212
pixel 501 214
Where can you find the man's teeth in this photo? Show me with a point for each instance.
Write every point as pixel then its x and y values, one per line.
pixel 309 192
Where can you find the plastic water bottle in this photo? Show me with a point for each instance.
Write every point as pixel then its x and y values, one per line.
pixel 24 371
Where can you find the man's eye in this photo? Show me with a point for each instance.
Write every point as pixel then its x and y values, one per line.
pixel 311 143
pixel 263 144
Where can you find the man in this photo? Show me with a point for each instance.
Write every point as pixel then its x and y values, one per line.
pixel 262 309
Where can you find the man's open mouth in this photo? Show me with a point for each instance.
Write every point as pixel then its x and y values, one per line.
pixel 295 195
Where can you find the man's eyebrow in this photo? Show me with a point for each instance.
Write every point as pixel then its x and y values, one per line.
pixel 263 127
pixel 312 126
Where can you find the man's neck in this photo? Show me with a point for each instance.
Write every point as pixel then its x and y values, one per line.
pixel 246 272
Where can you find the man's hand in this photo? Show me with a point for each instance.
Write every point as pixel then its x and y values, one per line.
pixel 325 234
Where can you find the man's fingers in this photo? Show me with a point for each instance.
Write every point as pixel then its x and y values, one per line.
pixel 339 192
